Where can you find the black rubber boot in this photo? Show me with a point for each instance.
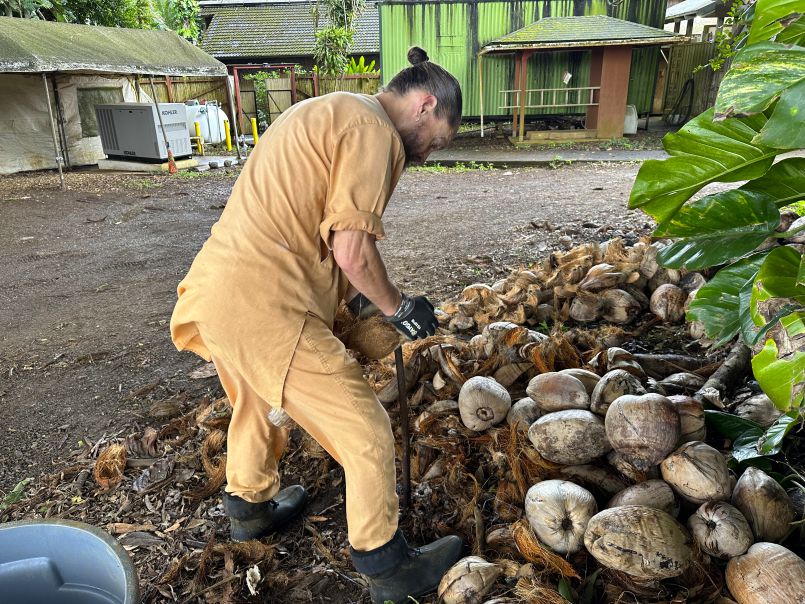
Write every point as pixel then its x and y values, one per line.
pixel 255 520
pixel 395 571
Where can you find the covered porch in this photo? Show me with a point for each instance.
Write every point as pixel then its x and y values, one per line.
pixel 602 100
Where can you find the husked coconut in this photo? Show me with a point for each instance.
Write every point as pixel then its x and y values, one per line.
pixel 648 263
pixel 570 437
pixel 594 478
pixel 585 307
pixel 698 473
pixel 664 276
pixel 586 377
pixel 558 511
pixel 613 385
pixel 691 418
pixel 556 392
pixel 601 276
pixel 758 409
pixel 767 574
pixel 641 541
pixel 652 493
pixel 681 383
pixel 468 581
pixel 720 530
pixel 524 413
pixel 644 429
pixel 767 507
pixel 691 282
pixel 627 469
pixel 668 303
pixel 618 306
pixel 483 403
pixel 618 358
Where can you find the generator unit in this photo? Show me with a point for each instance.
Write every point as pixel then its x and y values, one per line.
pixel 132 130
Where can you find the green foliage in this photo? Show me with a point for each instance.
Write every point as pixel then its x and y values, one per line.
pixel 758 115
pixel 180 16
pixel 16 494
pixel 360 66
pixel 333 42
pixel 331 50
pixel 728 37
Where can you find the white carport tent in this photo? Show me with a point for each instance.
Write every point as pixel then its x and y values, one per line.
pixel 44 64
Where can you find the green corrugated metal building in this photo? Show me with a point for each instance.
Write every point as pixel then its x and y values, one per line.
pixel 453 31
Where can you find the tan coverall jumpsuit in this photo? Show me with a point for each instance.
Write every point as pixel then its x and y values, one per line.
pixel 261 295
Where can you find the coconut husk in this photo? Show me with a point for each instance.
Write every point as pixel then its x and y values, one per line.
pixel 215 416
pixel 372 338
pixel 109 467
pixel 248 552
pixel 533 551
pixel 531 591
pixel 214 463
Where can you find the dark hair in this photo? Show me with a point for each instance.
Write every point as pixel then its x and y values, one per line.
pixel 431 77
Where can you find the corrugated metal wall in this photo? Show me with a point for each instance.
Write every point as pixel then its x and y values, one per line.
pixel 682 61
pixel 453 32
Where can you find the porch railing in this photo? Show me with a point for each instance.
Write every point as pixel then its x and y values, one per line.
pixel 551 98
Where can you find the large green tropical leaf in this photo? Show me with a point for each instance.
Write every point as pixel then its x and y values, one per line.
pixel 701 152
pixel 784 182
pixel 717 303
pixel 757 77
pixel 778 20
pixel 771 442
pixel 729 425
pixel 781 378
pixel 786 126
pixel 718 228
pixel 777 278
pixel 801 272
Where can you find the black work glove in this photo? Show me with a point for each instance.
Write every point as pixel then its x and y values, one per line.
pixel 362 307
pixel 414 318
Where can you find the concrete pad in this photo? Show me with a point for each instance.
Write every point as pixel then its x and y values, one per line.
pixel 121 165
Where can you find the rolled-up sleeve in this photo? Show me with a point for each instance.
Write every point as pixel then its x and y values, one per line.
pixel 365 167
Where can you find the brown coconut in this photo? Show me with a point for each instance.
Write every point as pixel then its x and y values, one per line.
pixel 720 530
pixel 652 493
pixel 557 391
pixel 767 574
pixel 641 541
pixel 668 303
pixel 569 437
pixel 767 507
pixel 374 338
pixel 613 385
pixel 595 478
pixel 483 403
pixel 468 581
pixel 691 418
pixel 644 429
pixel 759 409
pixel 558 511
pixel 698 473
pixel 586 377
pixel 524 413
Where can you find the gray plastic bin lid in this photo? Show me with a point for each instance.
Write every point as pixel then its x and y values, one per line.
pixel 63 562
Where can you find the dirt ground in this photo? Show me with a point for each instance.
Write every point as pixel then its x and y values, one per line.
pixel 89 278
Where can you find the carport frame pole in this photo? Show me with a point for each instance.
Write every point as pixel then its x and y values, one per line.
pixel 53 131
pixel 234 112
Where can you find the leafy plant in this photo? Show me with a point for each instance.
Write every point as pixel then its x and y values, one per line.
pixel 331 48
pixel 360 66
pixel 759 293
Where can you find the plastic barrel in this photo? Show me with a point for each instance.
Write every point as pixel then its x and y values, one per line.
pixel 63 562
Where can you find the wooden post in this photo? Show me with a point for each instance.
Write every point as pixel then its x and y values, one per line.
pixel 232 110
pixel 169 88
pixel 53 131
pixel 516 87
pixel 481 90
pixel 523 86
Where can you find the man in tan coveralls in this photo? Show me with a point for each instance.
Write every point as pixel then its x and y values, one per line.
pixel 297 236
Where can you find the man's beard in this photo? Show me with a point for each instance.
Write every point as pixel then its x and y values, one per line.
pixel 411 146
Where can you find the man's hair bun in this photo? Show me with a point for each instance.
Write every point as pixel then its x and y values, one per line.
pixel 416 55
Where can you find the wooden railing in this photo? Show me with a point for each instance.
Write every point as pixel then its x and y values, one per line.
pixel 551 98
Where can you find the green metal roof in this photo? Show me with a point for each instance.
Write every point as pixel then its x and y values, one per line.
pixel 586 31
pixel 280 29
pixel 34 46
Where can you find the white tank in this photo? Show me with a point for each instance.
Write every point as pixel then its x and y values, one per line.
pixel 210 118
pixel 630 121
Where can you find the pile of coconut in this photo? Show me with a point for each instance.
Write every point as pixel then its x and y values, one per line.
pixel 596 457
